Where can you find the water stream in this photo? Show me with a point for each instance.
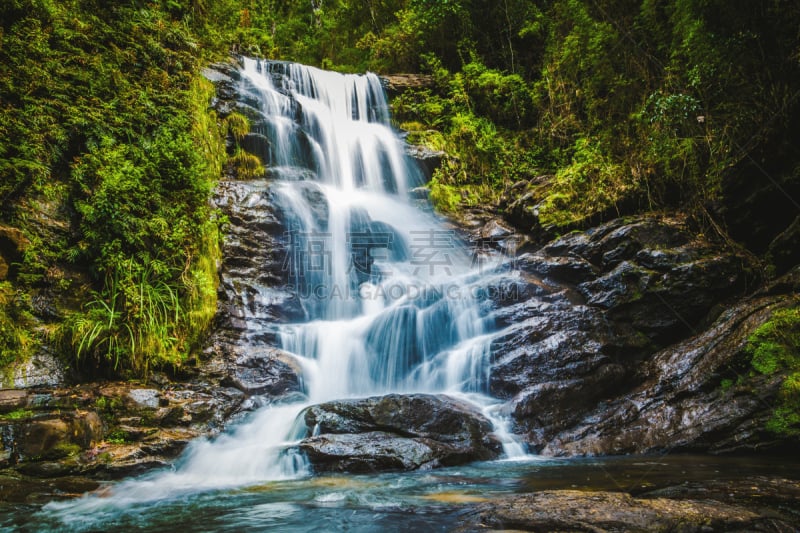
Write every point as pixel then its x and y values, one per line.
pixel 392 299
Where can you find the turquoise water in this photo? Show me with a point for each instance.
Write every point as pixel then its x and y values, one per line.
pixel 435 500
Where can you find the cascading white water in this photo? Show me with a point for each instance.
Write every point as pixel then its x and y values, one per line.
pixel 388 322
pixel 390 294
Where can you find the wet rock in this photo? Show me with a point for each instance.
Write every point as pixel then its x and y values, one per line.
pixel 375 451
pixel 111 429
pixel 42 369
pixel 226 78
pixel 257 144
pixel 427 159
pixel 762 493
pixel 519 205
pixel 603 303
pixel 667 303
pixel 496 229
pixel 115 460
pixel 11 399
pixel 650 272
pixel 145 397
pixel 399 83
pixel 561 269
pixel 396 432
pixel 36 439
pixel 317 201
pixel 680 403
pixel 556 365
pixel 491 240
pixel 556 341
pixel 15 488
pixel 267 371
pixel 571 510
pixel 254 293
pixel 419 193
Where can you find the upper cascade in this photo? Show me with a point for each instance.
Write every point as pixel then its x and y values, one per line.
pixel 335 125
pixel 391 296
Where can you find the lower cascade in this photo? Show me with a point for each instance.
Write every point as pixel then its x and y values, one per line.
pixel 391 338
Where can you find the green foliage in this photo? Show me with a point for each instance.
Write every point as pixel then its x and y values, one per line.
pixel 656 104
pixel 17 414
pixel 246 165
pixel 118 436
pixel 625 104
pixel 243 164
pixel 237 126
pixel 590 185
pixel 775 347
pixel 136 319
pixel 16 341
pixel 505 99
pixel 446 198
pixel 104 114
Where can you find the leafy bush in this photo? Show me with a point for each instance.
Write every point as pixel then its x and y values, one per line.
pixel 133 323
pixel 16 341
pixel 246 165
pixel 505 99
pixel 775 347
pixel 104 114
pixel 237 126
pixel 591 185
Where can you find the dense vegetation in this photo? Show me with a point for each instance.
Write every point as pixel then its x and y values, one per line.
pixel 585 108
pixel 107 159
pixel 775 348
pixel 623 105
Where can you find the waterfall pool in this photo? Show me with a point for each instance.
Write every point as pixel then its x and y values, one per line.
pixel 436 500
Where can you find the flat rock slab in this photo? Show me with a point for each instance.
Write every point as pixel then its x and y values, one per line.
pixel 571 510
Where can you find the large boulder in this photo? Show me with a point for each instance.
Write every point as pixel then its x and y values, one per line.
pixel 396 432
pixel 254 293
pixel 427 159
pixel 653 273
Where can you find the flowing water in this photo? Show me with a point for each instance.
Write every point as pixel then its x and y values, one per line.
pixel 392 299
pixel 413 501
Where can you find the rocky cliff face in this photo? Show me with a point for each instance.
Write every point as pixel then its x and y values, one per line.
pixel 623 338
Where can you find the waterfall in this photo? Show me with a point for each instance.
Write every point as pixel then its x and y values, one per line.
pixel 385 286
pixel 392 299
